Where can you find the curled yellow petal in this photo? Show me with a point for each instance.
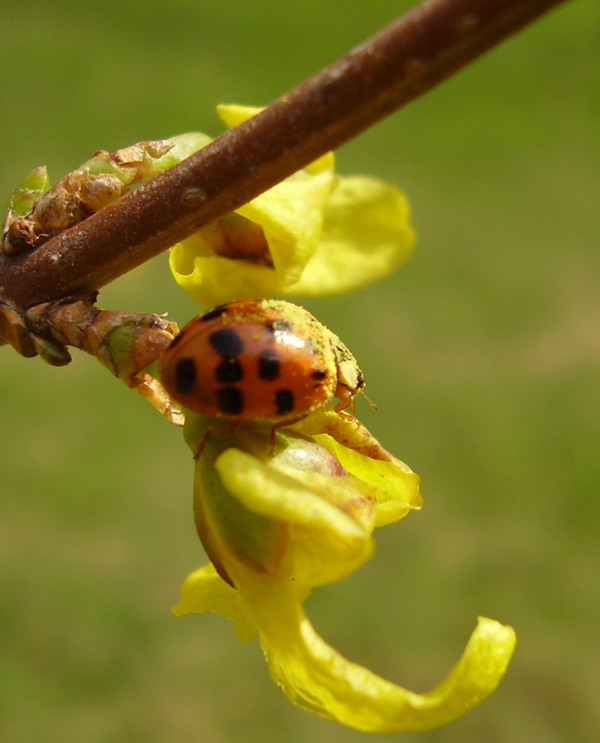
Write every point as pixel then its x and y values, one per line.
pixel 322 680
pixel 318 678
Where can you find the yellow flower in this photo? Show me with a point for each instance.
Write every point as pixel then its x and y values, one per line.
pixel 314 233
pixel 281 515
pixel 283 510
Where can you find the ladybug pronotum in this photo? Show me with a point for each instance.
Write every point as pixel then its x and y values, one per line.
pixel 259 360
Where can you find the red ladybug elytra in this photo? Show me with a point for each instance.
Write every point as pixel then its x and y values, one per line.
pixel 263 360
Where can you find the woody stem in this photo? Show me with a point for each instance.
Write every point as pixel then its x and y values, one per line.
pixel 404 60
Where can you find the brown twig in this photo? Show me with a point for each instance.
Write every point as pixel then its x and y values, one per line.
pixel 404 60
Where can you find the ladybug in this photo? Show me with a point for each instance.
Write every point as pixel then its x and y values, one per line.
pixel 259 360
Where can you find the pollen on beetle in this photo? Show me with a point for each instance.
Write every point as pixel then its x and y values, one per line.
pixel 215 312
pixel 279 326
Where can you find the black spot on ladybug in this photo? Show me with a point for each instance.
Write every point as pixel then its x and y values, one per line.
pixel 284 401
pixel 268 364
pixel 226 343
pixel 216 312
pixel 185 375
pixel 229 371
pixel 319 375
pixel 230 400
pixel 279 326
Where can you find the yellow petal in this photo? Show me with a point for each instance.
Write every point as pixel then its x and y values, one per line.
pixel 204 590
pixel 291 216
pixel 325 543
pixel 348 494
pixel 324 682
pixel 395 485
pixel 319 679
pixel 212 280
pixel 325 235
pixel 232 114
pixel 366 235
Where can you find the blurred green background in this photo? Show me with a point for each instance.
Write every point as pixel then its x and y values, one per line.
pixel 482 354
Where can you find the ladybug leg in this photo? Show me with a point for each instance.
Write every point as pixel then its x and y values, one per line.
pixel 202 444
pixel 272 440
pixel 346 401
pixel 218 428
pixel 275 427
pixel 153 391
